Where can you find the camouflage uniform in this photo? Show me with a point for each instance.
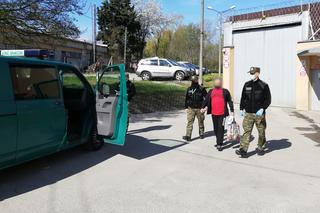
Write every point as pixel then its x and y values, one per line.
pixel 191 115
pixel 249 121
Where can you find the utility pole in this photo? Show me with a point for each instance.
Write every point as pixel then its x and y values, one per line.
pixel 125 46
pixel 201 43
pixel 94 32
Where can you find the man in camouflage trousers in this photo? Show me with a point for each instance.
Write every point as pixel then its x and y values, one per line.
pixel 255 100
pixel 193 103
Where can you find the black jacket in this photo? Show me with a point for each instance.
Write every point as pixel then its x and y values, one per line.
pixel 255 96
pixel 227 101
pixel 131 90
pixel 195 96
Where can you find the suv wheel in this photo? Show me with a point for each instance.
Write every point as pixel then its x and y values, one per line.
pixel 179 76
pixel 146 76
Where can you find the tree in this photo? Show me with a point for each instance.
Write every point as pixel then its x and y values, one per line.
pixel 31 19
pixel 113 17
pixel 154 22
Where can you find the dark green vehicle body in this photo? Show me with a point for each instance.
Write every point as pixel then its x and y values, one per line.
pixel 39 115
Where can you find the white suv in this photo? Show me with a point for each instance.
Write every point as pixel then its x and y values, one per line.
pixel 161 68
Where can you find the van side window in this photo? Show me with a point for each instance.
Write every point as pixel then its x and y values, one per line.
pixel 71 80
pixel 35 82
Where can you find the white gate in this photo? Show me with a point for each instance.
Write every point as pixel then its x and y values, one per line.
pixel 274 49
pixel 315 90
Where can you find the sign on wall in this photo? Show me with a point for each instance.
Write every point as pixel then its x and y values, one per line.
pixel 12 53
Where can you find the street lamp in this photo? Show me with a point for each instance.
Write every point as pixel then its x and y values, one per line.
pixel 221 14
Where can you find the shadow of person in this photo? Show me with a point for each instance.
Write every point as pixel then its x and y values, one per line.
pixel 149 129
pixel 48 170
pixel 273 145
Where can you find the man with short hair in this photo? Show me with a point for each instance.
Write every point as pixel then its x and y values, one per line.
pixel 255 100
pixel 193 103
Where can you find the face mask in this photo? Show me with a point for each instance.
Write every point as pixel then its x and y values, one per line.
pixel 253 77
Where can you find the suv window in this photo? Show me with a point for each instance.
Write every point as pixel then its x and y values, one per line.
pixel 150 62
pixel 164 63
pixel 35 82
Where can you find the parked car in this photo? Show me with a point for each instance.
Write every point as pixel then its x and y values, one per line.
pixel 162 68
pixel 49 106
pixel 189 65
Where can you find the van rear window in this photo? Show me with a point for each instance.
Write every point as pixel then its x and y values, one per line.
pixel 35 82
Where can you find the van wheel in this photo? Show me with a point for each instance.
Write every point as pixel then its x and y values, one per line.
pixel 94 143
pixel 179 76
pixel 146 76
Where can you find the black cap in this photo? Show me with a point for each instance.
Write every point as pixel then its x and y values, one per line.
pixel 254 70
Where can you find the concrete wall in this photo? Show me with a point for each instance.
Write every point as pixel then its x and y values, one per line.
pixel 228 69
pixel 305 65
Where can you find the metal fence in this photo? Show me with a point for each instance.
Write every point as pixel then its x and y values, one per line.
pixel 284 8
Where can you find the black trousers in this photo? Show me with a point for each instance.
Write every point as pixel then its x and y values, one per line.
pixel 218 126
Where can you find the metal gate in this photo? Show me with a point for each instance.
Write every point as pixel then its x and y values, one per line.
pixel 315 90
pixel 274 49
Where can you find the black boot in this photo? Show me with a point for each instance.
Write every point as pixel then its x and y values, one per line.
pixel 242 153
pixel 260 152
pixel 219 147
pixel 201 136
pixel 186 138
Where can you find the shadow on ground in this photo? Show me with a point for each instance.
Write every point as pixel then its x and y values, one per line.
pixel 274 145
pixel 45 171
pixel 312 132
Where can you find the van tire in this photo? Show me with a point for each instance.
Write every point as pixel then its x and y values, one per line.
pixel 146 76
pixel 94 143
pixel 179 76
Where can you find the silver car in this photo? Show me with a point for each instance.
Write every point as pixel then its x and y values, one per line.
pixel 162 68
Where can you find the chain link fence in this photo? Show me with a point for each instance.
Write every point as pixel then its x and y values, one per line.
pixel 284 8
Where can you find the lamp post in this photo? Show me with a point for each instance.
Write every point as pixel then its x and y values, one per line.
pixel 201 44
pixel 221 14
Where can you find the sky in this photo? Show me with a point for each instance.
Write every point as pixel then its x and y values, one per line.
pixel 189 9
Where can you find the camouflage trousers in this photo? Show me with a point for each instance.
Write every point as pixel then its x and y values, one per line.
pixel 249 121
pixel 191 115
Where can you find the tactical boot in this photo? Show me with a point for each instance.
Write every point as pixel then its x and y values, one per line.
pixel 260 152
pixel 242 153
pixel 186 138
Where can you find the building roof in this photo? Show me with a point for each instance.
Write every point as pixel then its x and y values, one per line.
pixel 310 52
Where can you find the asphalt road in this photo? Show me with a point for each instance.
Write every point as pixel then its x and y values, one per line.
pixel 157 172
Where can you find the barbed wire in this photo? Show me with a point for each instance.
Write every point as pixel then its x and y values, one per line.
pixel 283 8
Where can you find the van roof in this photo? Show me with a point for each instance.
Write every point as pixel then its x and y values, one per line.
pixel 32 61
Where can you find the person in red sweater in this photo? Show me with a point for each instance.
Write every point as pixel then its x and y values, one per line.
pixel 216 105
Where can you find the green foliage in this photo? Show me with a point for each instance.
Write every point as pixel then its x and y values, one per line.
pixel 113 17
pixel 183 44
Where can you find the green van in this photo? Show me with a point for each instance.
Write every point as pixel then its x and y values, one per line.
pixel 46 107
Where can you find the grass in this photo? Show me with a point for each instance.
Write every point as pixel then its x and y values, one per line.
pixel 152 96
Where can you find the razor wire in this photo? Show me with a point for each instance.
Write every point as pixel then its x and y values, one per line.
pixel 281 9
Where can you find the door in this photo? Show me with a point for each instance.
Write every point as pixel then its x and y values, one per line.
pixel 274 50
pixel 8 119
pixel 315 90
pixel 164 69
pixel 112 105
pixel 40 110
